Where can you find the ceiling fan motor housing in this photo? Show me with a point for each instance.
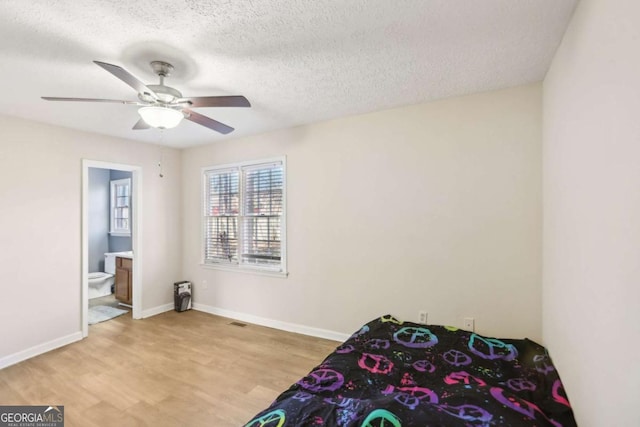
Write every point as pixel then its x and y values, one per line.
pixel 166 94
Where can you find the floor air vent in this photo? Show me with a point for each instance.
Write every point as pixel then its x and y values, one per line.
pixel 242 325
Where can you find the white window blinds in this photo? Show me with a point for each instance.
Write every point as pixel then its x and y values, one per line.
pixel 262 209
pixel 244 215
pixel 222 197
pixel 120 206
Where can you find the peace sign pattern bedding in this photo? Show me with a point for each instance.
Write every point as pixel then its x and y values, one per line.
pixel 392 373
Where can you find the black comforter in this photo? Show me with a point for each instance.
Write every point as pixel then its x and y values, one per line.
pixel 393 373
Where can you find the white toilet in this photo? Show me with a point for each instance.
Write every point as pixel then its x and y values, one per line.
pixel 99 282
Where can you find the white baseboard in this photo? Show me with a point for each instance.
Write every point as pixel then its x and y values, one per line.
pixel 37 350
pixel 262 321
pixel 157 310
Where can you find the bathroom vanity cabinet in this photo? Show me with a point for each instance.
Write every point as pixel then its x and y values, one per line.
pixel 124 276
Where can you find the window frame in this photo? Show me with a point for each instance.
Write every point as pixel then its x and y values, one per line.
pixel 113 230
pixel 238 265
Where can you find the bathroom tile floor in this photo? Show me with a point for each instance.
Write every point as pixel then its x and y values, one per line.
pixel 109 300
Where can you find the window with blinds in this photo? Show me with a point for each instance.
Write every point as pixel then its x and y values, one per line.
pixel 244 215
pixel 120 207
pixel 222 204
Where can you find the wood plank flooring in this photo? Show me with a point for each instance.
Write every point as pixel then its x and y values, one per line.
pixel 174 369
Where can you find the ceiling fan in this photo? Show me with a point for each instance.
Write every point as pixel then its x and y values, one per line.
pixel 163 106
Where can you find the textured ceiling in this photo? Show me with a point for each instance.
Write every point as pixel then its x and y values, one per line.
pixel 297 61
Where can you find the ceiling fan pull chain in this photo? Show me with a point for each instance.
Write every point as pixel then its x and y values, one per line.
pixel 161 153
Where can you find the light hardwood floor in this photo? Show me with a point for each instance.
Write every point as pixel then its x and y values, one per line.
pixel 174 369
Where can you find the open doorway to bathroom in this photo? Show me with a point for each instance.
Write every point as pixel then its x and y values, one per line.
pixel 111 211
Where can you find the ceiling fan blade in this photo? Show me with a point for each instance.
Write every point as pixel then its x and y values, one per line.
pixel 117 101
pixel 207 122
pixel 216 101
pixel 128 78
pixel 141 124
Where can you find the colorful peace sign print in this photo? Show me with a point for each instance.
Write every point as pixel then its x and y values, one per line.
pixel 343 349
pixel 468 413
pixel 376 364
pixel 520 384
pixel 424 366
pixel 381 418
pixel 271 419
pixel 342 402
pixel 302 396
pixel 378 344
pixel 463 377
pixel 556 389
pixel 362 331
pixel 491 348
pixel 421 393
pixel 456 358
pixel 513 402
pixel 413 337
pixel 389 318
pixel 407 400
pixel 322 379
pixel 542 364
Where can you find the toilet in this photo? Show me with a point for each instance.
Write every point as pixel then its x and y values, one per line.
pixel 100 282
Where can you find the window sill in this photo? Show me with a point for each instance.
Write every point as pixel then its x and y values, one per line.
pixel 240 269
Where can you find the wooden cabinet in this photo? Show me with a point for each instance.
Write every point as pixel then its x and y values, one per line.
pixel 124 277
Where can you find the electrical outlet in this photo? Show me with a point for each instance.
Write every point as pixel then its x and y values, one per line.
pixel 205 285
pixel 422 317
pixel 469 324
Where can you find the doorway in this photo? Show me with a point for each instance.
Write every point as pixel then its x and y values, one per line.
pixel 136 225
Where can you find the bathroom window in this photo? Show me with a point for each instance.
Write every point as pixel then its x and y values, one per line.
pixel 120 207
pixel 244 216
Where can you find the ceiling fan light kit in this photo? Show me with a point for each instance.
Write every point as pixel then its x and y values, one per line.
pixel 161 117
pixel 163 106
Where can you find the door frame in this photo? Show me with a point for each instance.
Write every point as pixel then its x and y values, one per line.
pixel 136 233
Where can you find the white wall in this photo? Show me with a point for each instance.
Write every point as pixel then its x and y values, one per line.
pixel 434 207
pixel 40 229
pixel 592 212
pixel 99 199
